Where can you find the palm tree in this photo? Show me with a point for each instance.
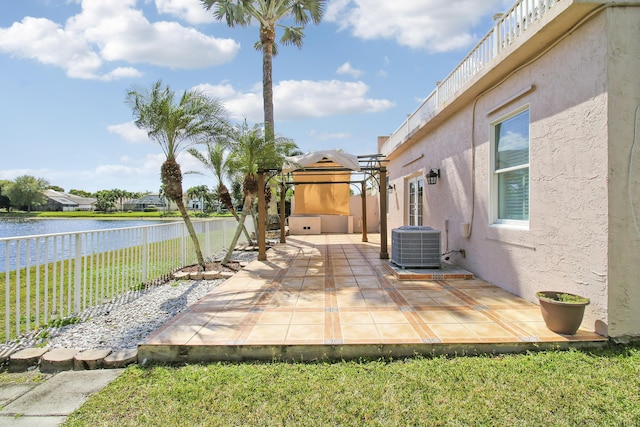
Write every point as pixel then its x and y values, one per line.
pixel 199 192
pixel 175 124
pixel 269 13
pixel 250 151
pixel 216 161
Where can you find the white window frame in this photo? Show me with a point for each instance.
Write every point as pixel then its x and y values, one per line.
pixel 495 220
pixel 418 217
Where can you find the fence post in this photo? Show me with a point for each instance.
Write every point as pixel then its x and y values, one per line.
pixel 7 293
pixel 77 274
pixel 17 288
pixel 145 254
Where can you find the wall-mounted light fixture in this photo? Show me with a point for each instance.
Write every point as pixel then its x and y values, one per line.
pixel 432 176
pixel 391 188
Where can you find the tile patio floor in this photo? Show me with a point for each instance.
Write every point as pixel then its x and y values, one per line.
pixel 331 296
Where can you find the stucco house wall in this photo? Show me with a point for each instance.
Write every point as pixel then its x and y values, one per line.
pixel 581 238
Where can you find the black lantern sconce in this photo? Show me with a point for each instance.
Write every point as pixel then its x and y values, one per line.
pixel 432 176
pixel 391 188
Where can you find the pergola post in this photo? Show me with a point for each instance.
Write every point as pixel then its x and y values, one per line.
pixel 364 212
pixel 262 216
pixel 384 253
pixel 283 191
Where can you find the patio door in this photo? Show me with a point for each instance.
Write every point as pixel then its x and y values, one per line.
pixel 415 196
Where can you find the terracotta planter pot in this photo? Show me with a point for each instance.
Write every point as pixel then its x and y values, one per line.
pixel 562 317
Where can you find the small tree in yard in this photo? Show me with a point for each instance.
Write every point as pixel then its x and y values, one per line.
pixel 27 191
pixel 249 152
pixel 174 124
pixel 105 201
pixel 216 161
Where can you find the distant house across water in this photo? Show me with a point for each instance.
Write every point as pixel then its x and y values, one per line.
pixel 148 201
pixel 58 201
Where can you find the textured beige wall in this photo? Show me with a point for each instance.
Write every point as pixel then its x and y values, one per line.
pixel 580 237
pixel 623 63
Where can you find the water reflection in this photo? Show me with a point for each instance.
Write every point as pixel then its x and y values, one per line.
pixel 92 240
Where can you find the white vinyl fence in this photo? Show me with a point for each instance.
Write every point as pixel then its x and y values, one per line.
pixel 54 276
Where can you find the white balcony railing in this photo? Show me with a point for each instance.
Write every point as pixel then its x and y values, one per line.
pixel 508 27
pixel 54 276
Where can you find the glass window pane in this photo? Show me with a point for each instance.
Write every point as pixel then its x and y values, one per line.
pixel 419 202
pixel 513 195
pixel 512 141
pixel 412 204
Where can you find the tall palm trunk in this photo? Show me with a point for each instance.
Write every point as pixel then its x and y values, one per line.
pixel 247 206
pixel 268 37
pixel 225 198
pixel 192 233
pixel 171 176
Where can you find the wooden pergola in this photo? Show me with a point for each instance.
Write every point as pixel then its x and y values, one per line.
pixel 371 166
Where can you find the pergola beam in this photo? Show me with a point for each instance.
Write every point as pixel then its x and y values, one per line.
pixel 365 169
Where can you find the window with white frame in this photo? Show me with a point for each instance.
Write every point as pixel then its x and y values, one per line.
pixel 415 188
pixel 510 164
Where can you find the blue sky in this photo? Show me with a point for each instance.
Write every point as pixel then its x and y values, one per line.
pixel 65 66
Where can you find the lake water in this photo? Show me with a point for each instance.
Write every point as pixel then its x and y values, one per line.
pixel 13 227
pixel 10 227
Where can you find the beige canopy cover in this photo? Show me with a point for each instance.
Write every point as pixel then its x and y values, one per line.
pixel 322 199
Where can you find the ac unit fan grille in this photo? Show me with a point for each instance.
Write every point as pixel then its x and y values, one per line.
pixel 417 247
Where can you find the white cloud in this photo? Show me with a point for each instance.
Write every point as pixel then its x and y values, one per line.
pixel 325 136
pixel 129 132
pixel 113 31
pixel 432 25
pixel 346 68
pixel 300 99
pixel 191 11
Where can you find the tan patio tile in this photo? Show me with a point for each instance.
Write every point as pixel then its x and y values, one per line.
pixel 450 300
pixel 275 318
pixel 291 283
pixel 228 318
pixel 217 332
pixel 342 271
pixel 417 297
pixel 519 314
pixel 196 318
pixel 356 317
pixel 284 299
pixel 309 300
pixel 470 316
pixel 537 329
pixel 313 282
pixel 360 333
pixel 305 333
pixel 308 317
pixel 176 335
pixel 451 332
pixel 361 270
pixel 388 316
pixel 488 331
pixel 397 333
pixel 345 282
pixel 437 316
pixel 350 299
pixel 368 282
pixel 267 334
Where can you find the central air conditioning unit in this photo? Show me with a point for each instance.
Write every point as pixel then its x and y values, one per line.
pixel 416 246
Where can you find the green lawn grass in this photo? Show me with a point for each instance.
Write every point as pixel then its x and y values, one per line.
pixel 581 388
